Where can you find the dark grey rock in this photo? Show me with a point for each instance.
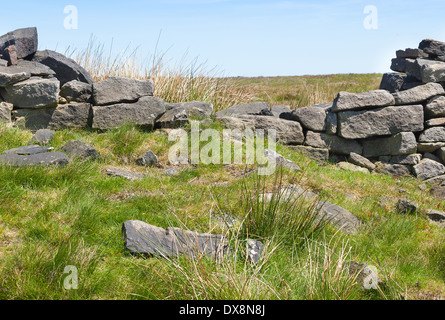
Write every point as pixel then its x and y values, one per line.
pixel 432 47
pixel 340 217
pixel 148 159
pixel 25 40
pixel 398 65
pixel 43 159
pixel 114 90
pixel 76 91
pixel 428 169
pixel 66 69
pixel 36 69
pixel 312 117
pixel 80 149
pixel 414 67
pixel 42 136
pixel 435 215
pixel 9 78
pixel 278 110
pixel 173 118
pixel 418 94
pixel 364 100
pixel 32 93
pixel 392 82
pixel 406 206
pixel 380 122
pixel 331 122
pixel 333 143
pixel 411 53
pixel 319 155
pixel 255 108
pixel 144 113
pixel 398 144
pixel 29 150
pixel 145 239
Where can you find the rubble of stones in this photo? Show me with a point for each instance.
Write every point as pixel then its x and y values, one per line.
pixel 398 129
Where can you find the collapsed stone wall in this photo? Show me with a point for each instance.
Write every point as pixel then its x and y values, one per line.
pixel 398 129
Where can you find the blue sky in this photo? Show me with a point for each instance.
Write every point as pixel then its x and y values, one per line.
pixel 243 37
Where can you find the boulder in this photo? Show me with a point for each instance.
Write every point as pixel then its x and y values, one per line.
pixel 80 149
pixel 358 160
pixel 418 94
pixel 115 90
pixel 414 67
pixel 432 47
pixel 35 159
pixel 333 143
pixel 380 122
pixel 287 132
pixel 398 144
pixel 340 217
pixel 435 107
pixel 144 239
pixel 363 100
pixel 76 91
pixel 144 113
pixel 434 134
pixel 428 169
pixel 25 41
pixel 396 170
pixel 42 136
pixel 319 155
pixel 255 108
pixel 398 64
pixel 65 69
pixel 148 159
pixel 312 117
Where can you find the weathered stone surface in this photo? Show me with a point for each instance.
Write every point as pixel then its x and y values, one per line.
pixel 66 69
pixel 319 155
pixel 429 146
pixel 431 156
pixel 436 122
pixel 72 115
pixel 428 169
pixel 408 159
pixel 173 118
pixel 197 109
pixel 145 239
pixel 10 54
pixel 432 47
pixel 331 122
pixel 80 149
pixel 279 160
pixel 379 122
pixel 438 191
pixel 358 160
pixel 441 154
pixel 396 170
pixel 433 72
pixel 406 206
pixel 398 144
pixel 32 93
pixel 434 134
pixel 76 91
pixel 435 107
pixel 43 159
pixel 363 100
pixel 35 68
pixel 30 149
pixel 333 143
pixel 418 94
pixel 144 112
pixel 278 110
pixel 43 136
pixel 341 218
pixel 398 65
pixel 116 172
pixel 148 159
pixel 435 215
pixel 255 108
pixel 25 41
pixel 5 112
pixel 7 79
pixel 312 117
pixel 288 132
pixel 393 81
pixel 171 172
pixel 436 180
pixel 352 167
pixel 115 90
pixel 411 53
pixel 414 67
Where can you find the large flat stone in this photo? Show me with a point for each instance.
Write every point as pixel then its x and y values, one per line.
pixel 398 144
pixel 312 117
pixel 340 217
pixel 432 47
pixel 255 108
pixel 33 93
pixel 363 100
pixel 333 143
pixel 395 170
pixel 418 94
pixel 428 169
pixel 115 90
pixel 434 134
pixel 144 113
pixel 42 159
pixel 76 91
pixel 380 122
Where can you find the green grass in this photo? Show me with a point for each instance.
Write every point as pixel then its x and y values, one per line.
pixel 51 218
